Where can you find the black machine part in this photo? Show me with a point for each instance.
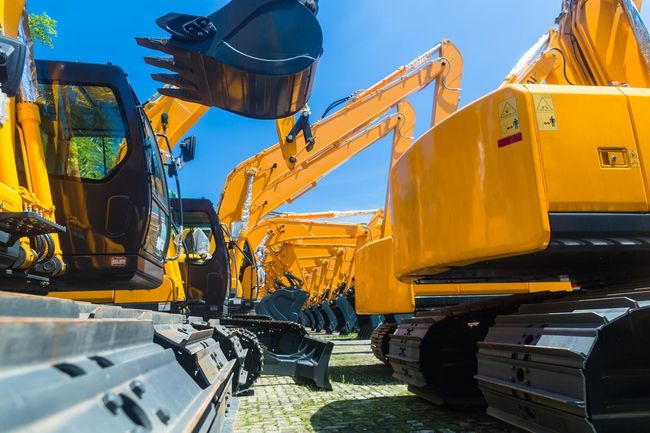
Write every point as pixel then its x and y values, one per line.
pixel 12 64
pixel 113 368
pixel 210 277
pixel 114 201
pixel 288 350
pixel 254 58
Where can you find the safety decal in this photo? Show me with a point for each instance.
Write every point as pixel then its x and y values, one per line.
pixel 545 110
pixel 634 159
pixel 509 123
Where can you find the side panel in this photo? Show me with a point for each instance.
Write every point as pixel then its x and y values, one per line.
pixel 590 157
pixel 639 106
pixel 470 189
pixel 476 289
pixel 377 290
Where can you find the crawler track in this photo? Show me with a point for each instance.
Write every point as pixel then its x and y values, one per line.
pixel 547 362
pixel 435 352
pixel 581 364
pixel 380 339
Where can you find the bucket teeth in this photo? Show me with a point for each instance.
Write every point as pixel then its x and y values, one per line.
pixel 163 62
pixel 174 80
pixel 158 44
pixel 183 94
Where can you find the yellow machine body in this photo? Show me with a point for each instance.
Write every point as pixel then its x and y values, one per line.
pixel 264 182
pixel 307 248
pixel 480 185
pixel 378 291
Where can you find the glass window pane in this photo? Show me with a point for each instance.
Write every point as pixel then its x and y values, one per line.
pixel 83 130
pixel 198 221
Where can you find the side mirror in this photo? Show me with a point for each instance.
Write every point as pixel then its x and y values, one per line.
pixel 12 64
pixel 188 148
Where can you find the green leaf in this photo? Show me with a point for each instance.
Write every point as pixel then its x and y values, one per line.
pixel 43 28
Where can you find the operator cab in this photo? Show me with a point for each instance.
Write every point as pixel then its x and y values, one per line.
pixel 107 177
pixel 207 273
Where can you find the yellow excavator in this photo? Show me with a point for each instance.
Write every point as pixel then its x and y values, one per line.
pixel 171 118
pixel 285 304
pixel 286 171
pixel 543 179
pixel 201 288
pixel 84 206
pixel 316 258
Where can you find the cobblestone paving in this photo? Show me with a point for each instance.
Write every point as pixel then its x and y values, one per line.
pixel 365 399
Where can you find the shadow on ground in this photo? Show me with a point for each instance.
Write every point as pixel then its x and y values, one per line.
pixel 403 414
pixel 373 374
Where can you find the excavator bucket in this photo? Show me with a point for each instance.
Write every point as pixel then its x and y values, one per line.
pixel 288 350
pixel 283 304
pixel 367 324
pixel 303 319
pixel 331 321
pixel 308 318
pixel 319 321
pixel 254 58
pixel 310 361
pixel 347 318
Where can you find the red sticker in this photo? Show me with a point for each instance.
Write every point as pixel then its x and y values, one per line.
pixel 509 140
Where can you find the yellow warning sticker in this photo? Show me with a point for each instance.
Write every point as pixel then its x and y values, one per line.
pixel 634 159
pixel 509 117
pixel 545 110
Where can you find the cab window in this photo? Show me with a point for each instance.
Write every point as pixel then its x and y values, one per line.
pixel 198 236
pixel 84 131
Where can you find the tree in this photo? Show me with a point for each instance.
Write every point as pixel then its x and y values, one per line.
pixel 43 28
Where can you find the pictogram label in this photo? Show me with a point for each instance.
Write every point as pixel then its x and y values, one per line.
pixel 545 111
pixel 509 117
pixel 634 159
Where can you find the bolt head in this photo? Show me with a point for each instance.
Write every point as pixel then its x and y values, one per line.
pixel 112 401
pixel 163 415
pixel 138 388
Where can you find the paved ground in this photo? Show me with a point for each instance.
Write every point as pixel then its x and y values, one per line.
pixel 365 399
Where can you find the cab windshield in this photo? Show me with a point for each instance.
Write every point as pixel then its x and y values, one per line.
pixel 84 131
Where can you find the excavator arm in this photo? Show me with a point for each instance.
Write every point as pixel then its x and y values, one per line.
pixel 261 184
pixel 596 43
pixel 273 183
pixel 400 124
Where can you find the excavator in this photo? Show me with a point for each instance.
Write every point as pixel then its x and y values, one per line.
pixel 284 172
pixel 287 302
pixel 84 206
pixel 543 180
pixel 319 255
pixel 172 113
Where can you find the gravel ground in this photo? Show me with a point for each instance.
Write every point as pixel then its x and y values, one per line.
pixel 365 399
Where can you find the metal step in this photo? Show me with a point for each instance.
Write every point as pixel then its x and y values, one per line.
pixel 70 366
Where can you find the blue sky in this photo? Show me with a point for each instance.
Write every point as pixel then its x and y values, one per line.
pixel 364 41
